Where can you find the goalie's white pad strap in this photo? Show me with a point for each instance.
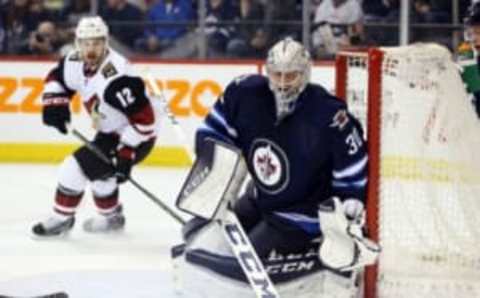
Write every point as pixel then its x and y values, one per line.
pixel 343 247
pixel 215 177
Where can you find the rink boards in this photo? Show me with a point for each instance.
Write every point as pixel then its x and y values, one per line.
pixel 190 88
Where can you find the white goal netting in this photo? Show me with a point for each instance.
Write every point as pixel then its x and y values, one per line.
pixel 424 140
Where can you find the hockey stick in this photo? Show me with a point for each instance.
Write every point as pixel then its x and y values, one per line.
pixel 52 295
pixel 95 150
pixel 247 257
pixel 158 93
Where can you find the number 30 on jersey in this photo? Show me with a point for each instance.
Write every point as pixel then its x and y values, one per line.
pixel 354 141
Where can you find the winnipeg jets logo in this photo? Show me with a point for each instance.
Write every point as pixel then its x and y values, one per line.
pixel 270 165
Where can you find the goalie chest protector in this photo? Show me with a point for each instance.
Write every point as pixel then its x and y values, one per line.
pixel 292 161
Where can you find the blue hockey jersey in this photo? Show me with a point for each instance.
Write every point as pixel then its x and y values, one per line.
pixel 311 155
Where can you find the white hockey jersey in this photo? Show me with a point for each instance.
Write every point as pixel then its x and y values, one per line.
pixel 114 96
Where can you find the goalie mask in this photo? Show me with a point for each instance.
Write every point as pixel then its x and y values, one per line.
pixel 472 26
pixel 91 40
pixel 288 69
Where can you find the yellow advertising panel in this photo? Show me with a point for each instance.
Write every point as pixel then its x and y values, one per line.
pixel 190 89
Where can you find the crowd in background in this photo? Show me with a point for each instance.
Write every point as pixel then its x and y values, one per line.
pixel 233 28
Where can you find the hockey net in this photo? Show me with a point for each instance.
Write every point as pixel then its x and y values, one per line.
pixel 424 170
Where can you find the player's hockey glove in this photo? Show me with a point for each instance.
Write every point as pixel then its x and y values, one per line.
pixel 344 247
pixel 56 112
pixel 124 162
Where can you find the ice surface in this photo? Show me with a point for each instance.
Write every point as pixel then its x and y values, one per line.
pixel 135 263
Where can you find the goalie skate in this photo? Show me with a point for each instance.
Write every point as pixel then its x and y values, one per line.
pixel 54 226
pixel 114 221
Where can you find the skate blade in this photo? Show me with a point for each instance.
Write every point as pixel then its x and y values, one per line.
pixel 115 232
pixel 62 236
pixel 52 295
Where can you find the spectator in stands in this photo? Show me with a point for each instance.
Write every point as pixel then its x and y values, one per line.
pixel 464 8
pixel 3 30
pixel 147 4
pixel 250 39
pixel 23 18
pixel 158 37
pixel 38 13
pixel 424 12
pixel 283 11
pixel 15 24
pixel 43 41
pixel 380 10
pixel 74 10
pixel 339 24
pixel 445 6
pixel 143 5
pixel 218 35
pixel 124 21
pixel 54 5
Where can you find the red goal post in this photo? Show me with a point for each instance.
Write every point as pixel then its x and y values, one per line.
pixel 371 60
pixel 423 143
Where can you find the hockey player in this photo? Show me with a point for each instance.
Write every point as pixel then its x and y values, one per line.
pixel 122 115
pixel 467 55
pixel 304 151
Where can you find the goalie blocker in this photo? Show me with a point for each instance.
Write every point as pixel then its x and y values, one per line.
pixel 214 179
pixel 205 263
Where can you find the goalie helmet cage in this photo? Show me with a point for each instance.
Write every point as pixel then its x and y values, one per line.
pixel 423 197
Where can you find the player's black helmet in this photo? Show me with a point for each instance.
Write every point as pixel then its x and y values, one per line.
pixel 473 15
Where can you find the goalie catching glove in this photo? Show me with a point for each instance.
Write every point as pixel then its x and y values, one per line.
pixel 344 247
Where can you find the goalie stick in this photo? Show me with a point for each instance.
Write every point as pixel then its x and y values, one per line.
pixel 52 295
pixel 246 255
pixel 158 93
pixel 95 150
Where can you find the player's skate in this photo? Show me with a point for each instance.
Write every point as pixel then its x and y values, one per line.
pixel 55 225
pixel 111 222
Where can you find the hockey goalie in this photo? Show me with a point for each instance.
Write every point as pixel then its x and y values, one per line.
pixel 295 229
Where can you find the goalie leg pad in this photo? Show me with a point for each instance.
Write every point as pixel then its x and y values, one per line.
pixel 192 227
pixel 285 258
pixel 193 282
pixel 194 276
pixel 206 267
pixel 208 237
